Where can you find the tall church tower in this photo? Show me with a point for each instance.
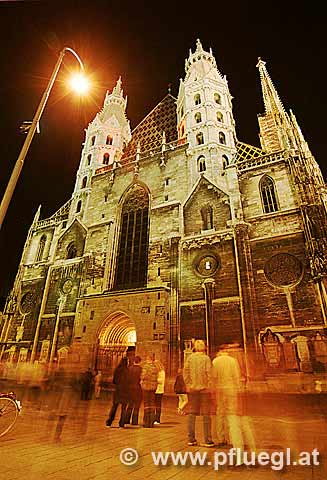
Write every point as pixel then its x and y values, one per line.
pixel 279 131
pixel 204 116
pixel 105 138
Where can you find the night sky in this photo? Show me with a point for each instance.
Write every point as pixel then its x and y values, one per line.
pixel 146 43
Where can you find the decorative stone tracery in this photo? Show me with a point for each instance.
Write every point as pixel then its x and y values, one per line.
pixel 283 270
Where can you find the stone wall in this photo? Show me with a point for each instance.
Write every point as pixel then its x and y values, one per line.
pixel 147 310
pixel 225 276
pixel 271 300
pixel 250 189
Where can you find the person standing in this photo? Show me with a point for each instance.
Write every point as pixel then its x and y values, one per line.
pixel 149 383
pixel 86 384
pixel 227 379
pixel 97 383
pixel 159 392
pixel 197 377
pixel 134 392
pixel 180 390
pixel 120 396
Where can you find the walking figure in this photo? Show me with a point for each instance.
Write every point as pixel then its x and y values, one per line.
pixel 149 383
pixel 120 396
pixel 197 376
pixel 134 392
pixel 97 383
pixel 180 390
pixel 159 392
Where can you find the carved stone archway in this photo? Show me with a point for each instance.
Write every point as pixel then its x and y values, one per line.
pixel 116 333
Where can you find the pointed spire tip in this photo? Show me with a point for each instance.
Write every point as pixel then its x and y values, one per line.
pixel 261 63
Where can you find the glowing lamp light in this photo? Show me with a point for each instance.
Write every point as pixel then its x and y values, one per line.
pixel 79 83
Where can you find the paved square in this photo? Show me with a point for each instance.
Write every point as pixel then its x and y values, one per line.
pixel 88 450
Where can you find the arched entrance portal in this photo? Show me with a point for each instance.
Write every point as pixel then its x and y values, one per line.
pixel 115 335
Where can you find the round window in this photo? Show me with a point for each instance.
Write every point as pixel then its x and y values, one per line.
pixel 67 286
pixel 207 265
pixel 283 270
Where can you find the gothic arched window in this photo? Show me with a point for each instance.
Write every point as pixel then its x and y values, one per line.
pixel 197 99
pixel 79 206
pixel 197 117
pixel 222 138
pixel 207 217
pixel 220 117
pixel 132 258
pixel 201 164
pixel 84 182
pixel 105 160
pixel 40 250
pixel 109 140
pixel 71 251
pixel 217 98
pixel 93 140
pixel 199 138
pixel 268 195
pixel 89 158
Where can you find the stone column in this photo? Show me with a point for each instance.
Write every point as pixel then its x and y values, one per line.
pixel 208 286
pixel 174 322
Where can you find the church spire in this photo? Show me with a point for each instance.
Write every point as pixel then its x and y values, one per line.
pixel 205 117
pixel 276 132
pixel 203 61
pixel 116 96
pixel 272 102
pixel 117 90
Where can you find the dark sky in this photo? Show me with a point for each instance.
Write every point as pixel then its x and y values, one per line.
pixel 146 43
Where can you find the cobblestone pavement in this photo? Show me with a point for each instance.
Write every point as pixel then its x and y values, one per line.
pixel 88 450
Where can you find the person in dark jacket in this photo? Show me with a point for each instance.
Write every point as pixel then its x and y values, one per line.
pixel 86 384
pixel 134 392
pixel 120 394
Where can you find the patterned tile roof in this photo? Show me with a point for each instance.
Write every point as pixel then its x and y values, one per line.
pixel 148 133
pixel 247 152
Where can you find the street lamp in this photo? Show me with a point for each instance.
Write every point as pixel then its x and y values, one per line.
pixel 34 125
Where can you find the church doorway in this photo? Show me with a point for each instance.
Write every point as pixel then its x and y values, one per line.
pixel 115 335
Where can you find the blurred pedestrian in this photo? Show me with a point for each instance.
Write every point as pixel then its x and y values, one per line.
pixel 149 383
pixel 159 392
pixel 180 390
pixel 231 423
pixel 120 396
pixel 97 383
pixel 197 377
pixel 63 393
pixel 86 384
pixel 134 392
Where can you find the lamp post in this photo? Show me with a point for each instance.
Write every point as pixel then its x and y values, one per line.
pixel 20 161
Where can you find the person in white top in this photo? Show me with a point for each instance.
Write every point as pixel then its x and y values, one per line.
pixel 159 392
pixel 228 383
pixel 97 383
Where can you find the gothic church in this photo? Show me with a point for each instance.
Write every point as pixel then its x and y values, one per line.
pixel 178 230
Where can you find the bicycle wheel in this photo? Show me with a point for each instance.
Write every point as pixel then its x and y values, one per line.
pixel 8 414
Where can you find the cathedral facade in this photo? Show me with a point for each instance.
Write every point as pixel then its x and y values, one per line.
pixel 178 230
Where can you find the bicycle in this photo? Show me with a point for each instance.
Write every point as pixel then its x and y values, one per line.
pixel 10 408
